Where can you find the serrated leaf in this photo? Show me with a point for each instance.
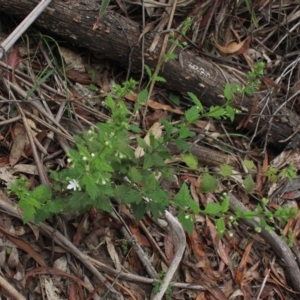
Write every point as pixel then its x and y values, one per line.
pixel 42 193
pixel 196 101
pixel 230 112
pixel 208 183
pixel 226 170
pixel 135 175
pixel 249 184
pixel 225 204
pixel 143 96
pixel 134 128
pixel 220 225
pixel 160 79
pixel 248 164
pixel 148 71
pixel 187 222
pixel 138 209
pixel 183 145
pixel 153 160
pixel 184 132
pixel 175 99
pixel 213 209
pixel 216 112
pixel 190 160
pixel 192 115
pixel 182 197
pixel 133 196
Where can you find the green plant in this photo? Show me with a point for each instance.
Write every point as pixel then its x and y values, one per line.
pixel 254 80
pixel 157 284
pixel 103 166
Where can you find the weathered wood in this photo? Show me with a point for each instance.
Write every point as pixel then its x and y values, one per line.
pixel 117 38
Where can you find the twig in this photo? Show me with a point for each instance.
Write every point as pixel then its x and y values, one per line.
pixel 180 243
pixel 15 35
pixel 11 290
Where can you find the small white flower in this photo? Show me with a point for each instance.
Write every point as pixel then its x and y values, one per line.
pixel 92 154
pixel 84 158
pixel 69 160
pixel 103 181
pixel 73 185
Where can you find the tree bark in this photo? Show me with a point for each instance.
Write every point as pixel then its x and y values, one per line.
pixel 117 38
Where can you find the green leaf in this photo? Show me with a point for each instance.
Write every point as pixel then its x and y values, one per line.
pixel 142 143
pixel 192 115
pixel 160 79
pixel 248 164
pixel 170 55
pixel 190 160
pixel 135 175
pixel 153 159
pixel 183 145
pixel 184 132
pixel 216 112
pixel 28 211
pixel 208 183
pixel 148 71
pixel 228 92
pixel 103 203
pixel 196 101
pixel 213 209
pixel 249 184
pixel 225 204
pixel 133 196
pixel 103 7
pixel 187 222
pixel 143 96
pixel 249 215
pixel 230 112
pixel 226 170
pixel 134 128
pixel 42 193
pixel 183 197
pixel 175 99
pixel 220 225
pixel 139 210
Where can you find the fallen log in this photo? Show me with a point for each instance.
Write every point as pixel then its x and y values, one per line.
pixel 117 38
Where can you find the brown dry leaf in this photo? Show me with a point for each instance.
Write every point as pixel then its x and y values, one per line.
pixel 18 146
pixel 73 60
pixel 80 230
pixel 6 175
pixel 239 275
pixel 142 240
pixel 205 125
pixel 82 78
pixel 4 161
pixel 219 245
pixel 24 246
pixel 196 244
pixel 155 117
pixel 155 105
pixel 112 251
pixel 13 259
pixel 233 47
pixel 169 248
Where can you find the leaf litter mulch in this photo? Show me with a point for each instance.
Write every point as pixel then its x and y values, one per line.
pixel 111 256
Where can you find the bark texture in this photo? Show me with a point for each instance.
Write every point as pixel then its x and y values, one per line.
pixel 117 38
